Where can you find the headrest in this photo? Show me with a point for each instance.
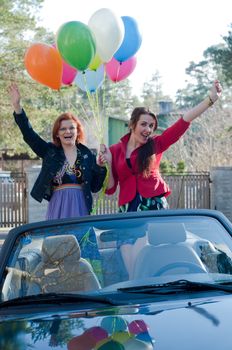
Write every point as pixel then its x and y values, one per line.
pixel 167 232
pixel 56 249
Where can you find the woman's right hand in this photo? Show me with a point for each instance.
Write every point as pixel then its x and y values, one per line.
pixel 15 97
pixel 104 155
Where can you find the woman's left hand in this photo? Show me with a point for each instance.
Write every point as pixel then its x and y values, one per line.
pixel 215 91
pixel 104 156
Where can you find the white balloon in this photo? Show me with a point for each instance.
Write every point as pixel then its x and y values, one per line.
pixel 109 30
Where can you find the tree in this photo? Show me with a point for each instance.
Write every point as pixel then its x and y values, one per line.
pixel 217 63
pixel 208 142
pixel 17 26
pixel 17 30
pixel 152 93
pixel 201 75
pixel 222 56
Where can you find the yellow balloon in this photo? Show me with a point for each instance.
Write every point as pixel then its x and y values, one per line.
pixel 121 337
pixel 95 63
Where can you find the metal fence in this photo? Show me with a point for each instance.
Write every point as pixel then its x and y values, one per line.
pixel 189 190
pixel 13 200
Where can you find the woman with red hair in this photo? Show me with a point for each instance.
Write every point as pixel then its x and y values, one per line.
pixel 69 173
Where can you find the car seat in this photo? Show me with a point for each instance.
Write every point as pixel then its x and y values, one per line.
pixel 166 252
pixel 62 269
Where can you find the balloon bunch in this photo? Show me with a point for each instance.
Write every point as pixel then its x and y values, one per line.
pixel 83 53
pixel 114 334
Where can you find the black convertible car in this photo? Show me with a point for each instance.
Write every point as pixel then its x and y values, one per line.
pixel 149 280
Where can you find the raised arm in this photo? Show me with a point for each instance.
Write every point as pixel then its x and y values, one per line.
pixel 37 144
pixel 15 98
pixel 212 97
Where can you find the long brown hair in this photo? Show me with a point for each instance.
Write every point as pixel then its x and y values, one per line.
pixel 147 151
pixel 56 127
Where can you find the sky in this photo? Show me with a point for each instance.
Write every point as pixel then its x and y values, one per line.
pixel 174 32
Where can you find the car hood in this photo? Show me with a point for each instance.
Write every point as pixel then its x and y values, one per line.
pixel 189 324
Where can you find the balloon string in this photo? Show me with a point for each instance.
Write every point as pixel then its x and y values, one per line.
pixel 105 183
pixel 88 94
pixel 93 99
pixel 60 92
pixel 100 126
pixel 97 114
pixel 102 118
pixel 86 118
pixel 104 93
pixel 99 133
pixel 91 102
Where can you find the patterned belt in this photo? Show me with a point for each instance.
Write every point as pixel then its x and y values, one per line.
pixel 68 186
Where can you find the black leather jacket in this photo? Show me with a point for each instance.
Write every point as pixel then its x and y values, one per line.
pixel 53 159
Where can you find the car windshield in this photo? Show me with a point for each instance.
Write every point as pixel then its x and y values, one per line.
pixel 118 251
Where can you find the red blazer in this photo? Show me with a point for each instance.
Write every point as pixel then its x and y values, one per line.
pixel 130 181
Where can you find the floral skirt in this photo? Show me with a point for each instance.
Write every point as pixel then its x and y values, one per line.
pixel 140 203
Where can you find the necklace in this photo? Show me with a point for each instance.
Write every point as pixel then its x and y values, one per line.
pixel 72 169
pixel 68 169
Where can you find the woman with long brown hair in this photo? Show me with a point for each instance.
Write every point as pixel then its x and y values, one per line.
pixel 134 161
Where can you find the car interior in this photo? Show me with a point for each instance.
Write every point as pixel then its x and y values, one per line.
pixel 75 258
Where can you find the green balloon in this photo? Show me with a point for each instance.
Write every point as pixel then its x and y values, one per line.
pixel 76 44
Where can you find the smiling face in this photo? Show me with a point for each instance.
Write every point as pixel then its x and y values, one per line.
pixel 143 129
pixel 64 128
pixel 67 133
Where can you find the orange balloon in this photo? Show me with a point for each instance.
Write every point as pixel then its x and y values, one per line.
pixel 44 64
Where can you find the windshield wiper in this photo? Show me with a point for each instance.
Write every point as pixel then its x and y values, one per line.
pixel 57 298
pixel 177 286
